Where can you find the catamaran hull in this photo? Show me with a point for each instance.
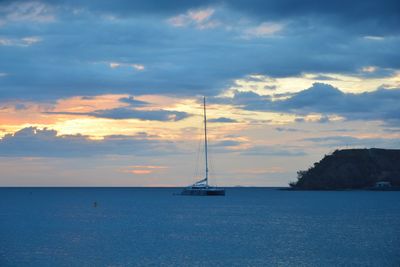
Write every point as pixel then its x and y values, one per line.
pixel 203 192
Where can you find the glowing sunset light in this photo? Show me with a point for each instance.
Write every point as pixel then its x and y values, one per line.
pixel 199 133
pixel 143 169
pixel 281 90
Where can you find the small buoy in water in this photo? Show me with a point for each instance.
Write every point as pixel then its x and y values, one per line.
pixel 95 204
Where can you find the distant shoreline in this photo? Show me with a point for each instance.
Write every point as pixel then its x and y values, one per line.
pixel 143 187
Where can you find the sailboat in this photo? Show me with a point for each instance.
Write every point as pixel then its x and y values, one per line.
pixel 202 188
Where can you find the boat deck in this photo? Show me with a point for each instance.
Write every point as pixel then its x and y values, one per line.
pixel 207 191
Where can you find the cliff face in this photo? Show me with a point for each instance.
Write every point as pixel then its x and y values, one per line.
pixel 352 169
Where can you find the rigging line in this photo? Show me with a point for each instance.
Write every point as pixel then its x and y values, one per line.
pixel 201 159
pixel 213 172
pixel 210 162
pixel 200 153
pixel 197 164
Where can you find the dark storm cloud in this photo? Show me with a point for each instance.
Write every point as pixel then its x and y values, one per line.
pixel 66 48
pixel 128 113
pixel 382 104
pixel 34 142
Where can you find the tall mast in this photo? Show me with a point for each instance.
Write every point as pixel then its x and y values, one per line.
pixel 205 140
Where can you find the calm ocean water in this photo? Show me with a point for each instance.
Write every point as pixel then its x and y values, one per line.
pixel 151 227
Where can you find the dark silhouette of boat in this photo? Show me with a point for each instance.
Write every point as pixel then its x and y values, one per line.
pixel 202 188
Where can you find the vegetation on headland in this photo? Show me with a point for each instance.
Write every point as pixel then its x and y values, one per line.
pixel 351 169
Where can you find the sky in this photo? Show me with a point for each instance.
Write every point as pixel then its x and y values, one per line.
pixel 109 93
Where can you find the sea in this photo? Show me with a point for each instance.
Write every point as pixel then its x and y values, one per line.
pixel 154 227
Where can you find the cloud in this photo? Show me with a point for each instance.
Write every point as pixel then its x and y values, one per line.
pixel 125 113
pixel 246 149
pixel 129 113
pixel 377 16
pixel 369 69
pixel 20 106
pixel 392 130
pixel 143 169
pixel 381 104
pixel 138 66
pixel 35 142
pixel 317 38
pixel 132 101
pixel 200 18
pixel 4 41
pixel 31 40
pixel 265 29
pixel 227 143
pixel 25 41
pixel 321 77
pixel 277 151
pixel 135 66
pixel 374 38
pixel 222 120
pixel 351 141
pixel 29 11
pixel 285 129
pixel 324 119
pixel 114 65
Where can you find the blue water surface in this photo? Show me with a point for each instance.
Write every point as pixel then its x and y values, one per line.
pixel 152 227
